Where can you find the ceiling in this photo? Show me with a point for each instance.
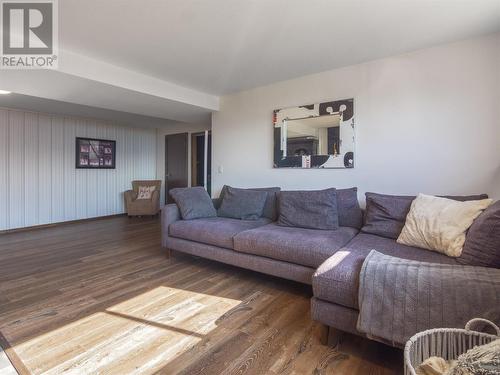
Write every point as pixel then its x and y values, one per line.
pixel 224 46
pixel 37 104
pixel 173 59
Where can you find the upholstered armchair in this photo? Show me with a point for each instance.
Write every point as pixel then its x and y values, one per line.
pixel 137 205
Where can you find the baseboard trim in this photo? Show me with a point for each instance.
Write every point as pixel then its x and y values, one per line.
pixel 58 224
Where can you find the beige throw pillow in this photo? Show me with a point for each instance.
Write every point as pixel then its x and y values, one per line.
pixel 440 224
pixel 145 192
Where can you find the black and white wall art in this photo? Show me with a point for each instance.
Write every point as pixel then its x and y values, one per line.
pixel 315 135
pixel 95 153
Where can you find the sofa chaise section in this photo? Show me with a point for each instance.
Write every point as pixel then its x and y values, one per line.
pixel 336 281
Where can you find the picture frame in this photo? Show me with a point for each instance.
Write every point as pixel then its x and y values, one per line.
pixel 94 153
pixel 315 136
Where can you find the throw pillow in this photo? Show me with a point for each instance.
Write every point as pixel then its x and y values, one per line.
pixel 350 214
pixel 145 192
pixel 193 203
pixel 482 243
pixel 242 204
pixel 385 214
pixel 270 210
pixel 440 224
pixel 313 209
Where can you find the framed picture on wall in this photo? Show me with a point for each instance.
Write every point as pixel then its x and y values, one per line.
pixel 95 153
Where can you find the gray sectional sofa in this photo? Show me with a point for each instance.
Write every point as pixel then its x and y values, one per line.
pixel 330 260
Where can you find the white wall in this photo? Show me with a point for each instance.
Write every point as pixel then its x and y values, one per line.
pixel 427 121
pixel 174 128
pixel 39 183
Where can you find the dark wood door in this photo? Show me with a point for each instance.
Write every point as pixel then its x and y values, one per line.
pixel 176 162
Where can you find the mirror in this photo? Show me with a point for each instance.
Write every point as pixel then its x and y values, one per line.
pixel 315 136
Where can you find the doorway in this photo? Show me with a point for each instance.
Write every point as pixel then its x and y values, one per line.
pixel 176 163
pixel 201 160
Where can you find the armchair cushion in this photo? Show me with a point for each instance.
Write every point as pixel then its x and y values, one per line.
pixel 145 192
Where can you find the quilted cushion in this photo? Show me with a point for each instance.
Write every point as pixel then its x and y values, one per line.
pixel 307 247
pixel 217 231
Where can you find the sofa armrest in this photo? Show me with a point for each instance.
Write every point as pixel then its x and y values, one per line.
pixel 169 214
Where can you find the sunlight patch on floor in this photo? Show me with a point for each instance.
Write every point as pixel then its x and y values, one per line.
pixel 139 335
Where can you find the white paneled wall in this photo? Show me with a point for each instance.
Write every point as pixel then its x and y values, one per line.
pixel 39 183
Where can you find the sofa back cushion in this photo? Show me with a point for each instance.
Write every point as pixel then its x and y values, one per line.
pixel 193 203
pixel 482 244
pixel 270 210
pixel 242 204
pixel 385 214
pixel 313 209
pixel 350 213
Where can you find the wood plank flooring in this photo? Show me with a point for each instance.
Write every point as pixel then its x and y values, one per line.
pixel 101 297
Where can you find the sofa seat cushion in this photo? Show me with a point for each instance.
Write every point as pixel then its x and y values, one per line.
pixel 307 247
pixel 337 279
pixel 217 231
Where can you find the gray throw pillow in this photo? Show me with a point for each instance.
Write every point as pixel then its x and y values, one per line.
pixel 386 214
pixel 482 244
pixel 350 214
pixel 270 210
pixel 193 203
pixel 242 204
pixel 313 209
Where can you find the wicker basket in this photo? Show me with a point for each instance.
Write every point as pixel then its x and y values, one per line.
pixel 447 343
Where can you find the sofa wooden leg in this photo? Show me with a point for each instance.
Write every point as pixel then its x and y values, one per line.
pixel 169 253
pixel 333 337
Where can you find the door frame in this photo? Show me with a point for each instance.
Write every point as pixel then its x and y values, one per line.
pixel 186 134
pixel 194 149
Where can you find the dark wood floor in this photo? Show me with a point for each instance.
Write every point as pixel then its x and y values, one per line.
pixel 101 297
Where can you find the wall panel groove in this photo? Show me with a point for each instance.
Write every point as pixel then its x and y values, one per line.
pixel 39 183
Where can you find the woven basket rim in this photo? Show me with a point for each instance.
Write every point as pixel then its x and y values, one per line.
pixel 432 331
